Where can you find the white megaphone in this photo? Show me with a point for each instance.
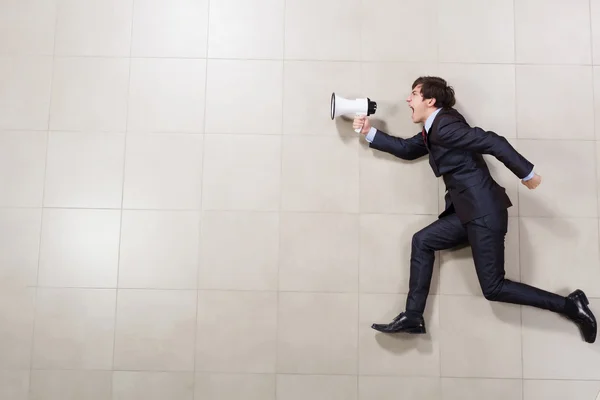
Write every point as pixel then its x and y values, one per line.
pixel 358 107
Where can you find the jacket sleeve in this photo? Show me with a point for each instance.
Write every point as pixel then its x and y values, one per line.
pixel 406 149
pixel 457 134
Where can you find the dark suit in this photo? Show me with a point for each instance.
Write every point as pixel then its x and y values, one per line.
pixel 476 208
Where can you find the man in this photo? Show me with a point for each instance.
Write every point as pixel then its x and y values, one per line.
pixel 476 207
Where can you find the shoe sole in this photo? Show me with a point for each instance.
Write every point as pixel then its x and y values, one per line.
pixel 415 331
pixel 411 331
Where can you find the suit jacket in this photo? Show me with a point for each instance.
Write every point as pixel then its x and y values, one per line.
pixel 455 153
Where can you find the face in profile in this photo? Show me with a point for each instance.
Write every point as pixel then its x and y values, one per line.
pixel 420 107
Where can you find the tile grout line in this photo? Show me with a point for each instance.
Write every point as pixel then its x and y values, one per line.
pixel 297 135
pixel 336 60
pixel 37 278
pixel 226 372
pixel 516 110
pixel 125 138
pixel 311 374
pixel 280 211
pixel 594 119
pixel 362 88
pixel 37 284
pixel 438 254
pixel 200 210
pixel 256 291
pixel 188 210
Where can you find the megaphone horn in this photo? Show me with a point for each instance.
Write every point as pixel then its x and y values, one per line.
pixel 358 107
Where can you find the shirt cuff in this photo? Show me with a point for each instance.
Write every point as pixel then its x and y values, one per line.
pixel 371 135
pixel 528 177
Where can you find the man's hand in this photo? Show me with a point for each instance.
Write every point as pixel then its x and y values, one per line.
pixel 533 182
pixel 364 122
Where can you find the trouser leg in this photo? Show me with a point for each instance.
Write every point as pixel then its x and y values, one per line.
pixel 444 233
pixel 486 236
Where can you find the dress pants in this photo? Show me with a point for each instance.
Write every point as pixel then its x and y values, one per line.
pixel 486 237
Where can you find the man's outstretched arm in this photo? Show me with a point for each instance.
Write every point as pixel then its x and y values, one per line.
pixel 406 149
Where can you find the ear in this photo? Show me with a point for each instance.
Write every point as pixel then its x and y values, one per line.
pixel 431 102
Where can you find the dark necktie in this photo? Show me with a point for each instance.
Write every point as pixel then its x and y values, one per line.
pixel 424 136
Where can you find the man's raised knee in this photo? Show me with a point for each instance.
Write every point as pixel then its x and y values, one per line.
pixel 419 240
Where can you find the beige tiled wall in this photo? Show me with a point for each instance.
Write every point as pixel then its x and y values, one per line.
pixel 180 219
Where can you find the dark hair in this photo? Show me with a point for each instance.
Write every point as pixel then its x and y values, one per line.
pixel 436 88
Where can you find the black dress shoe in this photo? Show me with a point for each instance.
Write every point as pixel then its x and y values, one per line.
pixel 402 323
pixel 577 310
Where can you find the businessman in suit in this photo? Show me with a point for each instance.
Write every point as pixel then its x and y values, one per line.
pixel 476 207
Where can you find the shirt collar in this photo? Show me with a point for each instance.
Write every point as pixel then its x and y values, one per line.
pixel 429 121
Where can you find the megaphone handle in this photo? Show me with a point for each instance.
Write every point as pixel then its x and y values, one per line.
pixel 357 130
